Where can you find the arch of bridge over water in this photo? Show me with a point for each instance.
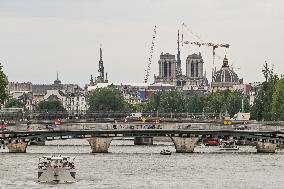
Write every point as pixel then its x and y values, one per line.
pixel 184 140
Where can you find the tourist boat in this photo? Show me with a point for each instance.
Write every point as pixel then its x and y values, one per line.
pixel 165 152
pixel 59 169
pixel 228 145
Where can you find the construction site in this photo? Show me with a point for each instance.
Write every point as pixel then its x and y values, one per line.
pixel 187 75
pixel 170 65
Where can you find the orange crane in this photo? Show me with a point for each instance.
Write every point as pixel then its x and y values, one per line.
pixel 151 56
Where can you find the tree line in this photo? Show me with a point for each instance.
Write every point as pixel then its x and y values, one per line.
pixel 226 102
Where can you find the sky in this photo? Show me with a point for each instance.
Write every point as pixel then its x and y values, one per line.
pixel 39 38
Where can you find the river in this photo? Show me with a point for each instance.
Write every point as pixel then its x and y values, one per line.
pixel 129 166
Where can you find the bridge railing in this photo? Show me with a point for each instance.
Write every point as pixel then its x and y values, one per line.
pixel 51 115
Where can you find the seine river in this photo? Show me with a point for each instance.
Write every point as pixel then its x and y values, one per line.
pixel 129 166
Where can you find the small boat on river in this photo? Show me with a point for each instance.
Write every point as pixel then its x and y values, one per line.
pixel 58 169
pixel 228 145
pixel 165 152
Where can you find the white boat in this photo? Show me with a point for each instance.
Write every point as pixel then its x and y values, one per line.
pixel 165 152
pixel 59 169
pixel 228 145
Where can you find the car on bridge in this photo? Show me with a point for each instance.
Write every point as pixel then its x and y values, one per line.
pixel 240 127
pixel 3 125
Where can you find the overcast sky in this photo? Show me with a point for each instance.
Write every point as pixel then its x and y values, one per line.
pixel 40 37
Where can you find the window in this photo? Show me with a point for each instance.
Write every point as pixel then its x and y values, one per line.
pixel 192 70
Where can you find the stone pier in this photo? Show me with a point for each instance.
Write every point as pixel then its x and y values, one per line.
pixel 99 144
pixel 19 147
pixel 143 140
pixel 184 144
pixel 265 147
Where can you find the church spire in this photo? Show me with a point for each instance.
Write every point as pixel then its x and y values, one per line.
pixel 179 72
pixel 101 77
pixel 92 81
pixel 57 81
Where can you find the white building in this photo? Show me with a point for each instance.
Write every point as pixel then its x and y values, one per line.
pixel 74 103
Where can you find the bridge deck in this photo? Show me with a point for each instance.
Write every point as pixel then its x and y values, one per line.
pixel 140 132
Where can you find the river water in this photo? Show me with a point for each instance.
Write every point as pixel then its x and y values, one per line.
pixel 129 166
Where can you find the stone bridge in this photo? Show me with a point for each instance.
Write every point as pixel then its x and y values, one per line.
pixel 184 140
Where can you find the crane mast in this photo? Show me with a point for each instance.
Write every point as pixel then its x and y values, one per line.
pixel 147 71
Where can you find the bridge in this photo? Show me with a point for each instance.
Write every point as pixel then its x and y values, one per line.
pixel 185 140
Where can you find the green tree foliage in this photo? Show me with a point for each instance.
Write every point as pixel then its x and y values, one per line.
pixel 261 109
pixel 234 103
pixel 14 103
pixel 3 86
pixel 246 105
pixel 278 101
pixel 50 106
pixel 139 107
pixel 194 104
pixel 223 101
pixel 174 101
pixel 215 103
pixel 108 99
pixel 168 101
pixel 154 103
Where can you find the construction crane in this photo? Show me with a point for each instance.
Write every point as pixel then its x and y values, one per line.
pixel 202 43
pixel 214 46
pixel 151 55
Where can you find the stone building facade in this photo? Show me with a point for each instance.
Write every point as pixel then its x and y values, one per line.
pixel 71 96
pixel 167 69
pixel 75 103
pixel 19 87
pixel 194 70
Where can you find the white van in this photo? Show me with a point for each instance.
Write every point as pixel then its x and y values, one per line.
pixel 135 115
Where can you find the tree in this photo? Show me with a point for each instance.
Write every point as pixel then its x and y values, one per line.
pixel 234 103
pixel 3 86
pixel 154 102
pixel 215 103
pixel 52 106
pixel 194 104
pixel 166 101
pixel 107 99
pixel 246 104
pixel 278 101
pixel 14 103
pixel 223 102
pixel 261 109
pixel 171 101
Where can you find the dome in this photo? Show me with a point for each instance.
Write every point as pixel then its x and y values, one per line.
pixel 225 74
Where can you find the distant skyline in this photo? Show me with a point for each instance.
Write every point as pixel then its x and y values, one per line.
pixel 39 38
